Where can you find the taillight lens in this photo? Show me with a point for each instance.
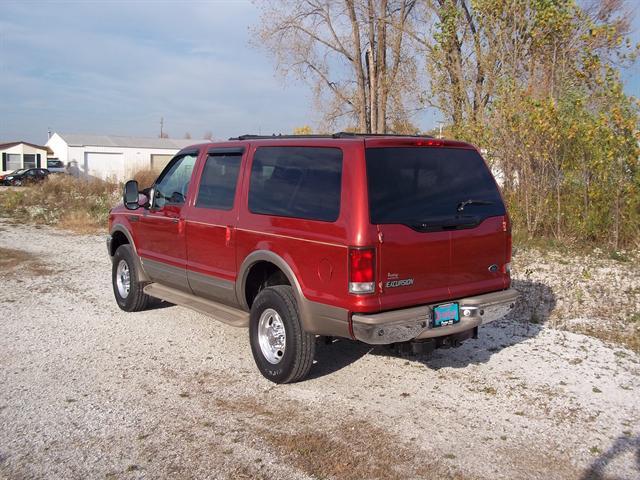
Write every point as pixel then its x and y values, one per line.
pixel 361 270
pixel 506 222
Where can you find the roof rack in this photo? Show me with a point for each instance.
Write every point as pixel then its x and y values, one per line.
pixel 354 134
pixel 334 135
pixel 274 136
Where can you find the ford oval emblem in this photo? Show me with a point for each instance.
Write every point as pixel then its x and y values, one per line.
pixel 493 268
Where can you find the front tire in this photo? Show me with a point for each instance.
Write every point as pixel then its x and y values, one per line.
pixel 127 289
pixel 282 350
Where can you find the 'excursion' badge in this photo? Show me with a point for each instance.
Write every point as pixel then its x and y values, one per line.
pixel 407 282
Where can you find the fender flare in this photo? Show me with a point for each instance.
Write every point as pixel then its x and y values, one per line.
pixel 316 318
pixel 264 256
pixel 122 229
pixel 267 256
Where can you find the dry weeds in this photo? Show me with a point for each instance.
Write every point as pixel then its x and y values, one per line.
pixel 81 206
pixel 145 178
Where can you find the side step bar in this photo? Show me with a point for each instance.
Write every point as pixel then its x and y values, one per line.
pixel 229 315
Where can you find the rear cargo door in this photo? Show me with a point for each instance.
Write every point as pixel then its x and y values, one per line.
pixel 440 218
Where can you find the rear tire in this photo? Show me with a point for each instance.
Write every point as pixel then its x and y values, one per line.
pixel 282 350
pixel 127 289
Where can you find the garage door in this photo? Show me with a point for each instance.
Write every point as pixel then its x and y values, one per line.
pixel 104 165
pixel 158 162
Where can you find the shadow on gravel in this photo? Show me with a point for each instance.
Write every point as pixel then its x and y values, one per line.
pixel 157 304
pixel 622 445
pixel 532 311
pixel 336 355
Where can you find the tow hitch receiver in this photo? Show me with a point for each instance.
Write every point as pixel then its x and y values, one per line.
pixel 426 346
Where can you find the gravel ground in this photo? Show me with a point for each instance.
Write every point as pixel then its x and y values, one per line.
pixel 88 391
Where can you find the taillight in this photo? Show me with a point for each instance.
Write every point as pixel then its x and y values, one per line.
pixel 506 224
pixel 361 270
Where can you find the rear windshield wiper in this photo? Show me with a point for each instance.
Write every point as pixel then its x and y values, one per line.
pixel 446 223
pixel 471 201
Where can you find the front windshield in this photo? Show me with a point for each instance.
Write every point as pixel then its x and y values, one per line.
pixel 18 172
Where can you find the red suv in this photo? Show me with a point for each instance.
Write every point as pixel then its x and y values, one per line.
pixel 383 239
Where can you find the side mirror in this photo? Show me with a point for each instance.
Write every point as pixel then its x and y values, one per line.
pixel 130 196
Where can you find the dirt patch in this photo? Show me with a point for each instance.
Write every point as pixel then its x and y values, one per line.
pixel 12 260
pixel 347 449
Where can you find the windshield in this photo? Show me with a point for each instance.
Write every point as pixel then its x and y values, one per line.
pixel 18 172
pixel 430 186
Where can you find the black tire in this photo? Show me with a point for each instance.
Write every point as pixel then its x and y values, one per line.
pixel 300 346
pixel 136 299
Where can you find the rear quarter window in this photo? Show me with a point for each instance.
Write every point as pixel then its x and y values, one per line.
pixel 298 182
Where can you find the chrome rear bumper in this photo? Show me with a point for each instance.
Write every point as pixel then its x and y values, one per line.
pixel 416 322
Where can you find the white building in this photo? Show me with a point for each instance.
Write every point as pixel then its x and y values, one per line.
pixel 112 156
pixel 16 155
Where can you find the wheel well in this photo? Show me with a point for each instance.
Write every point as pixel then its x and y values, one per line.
pixel 117 238
pixel 261 275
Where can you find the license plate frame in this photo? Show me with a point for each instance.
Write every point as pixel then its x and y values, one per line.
pixel 446 314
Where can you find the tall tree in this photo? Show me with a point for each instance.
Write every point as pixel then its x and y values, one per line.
pixel 353 53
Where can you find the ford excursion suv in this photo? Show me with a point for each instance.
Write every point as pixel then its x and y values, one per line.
pixel 382 239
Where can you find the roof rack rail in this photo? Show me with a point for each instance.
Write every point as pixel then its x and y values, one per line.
pixel 274 136
pixel 334 135
pixel 355 134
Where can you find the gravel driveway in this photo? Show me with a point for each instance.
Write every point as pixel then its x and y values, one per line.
pixel 88 391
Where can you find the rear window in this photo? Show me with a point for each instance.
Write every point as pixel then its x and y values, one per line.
pixel 432 187
pixel 300 182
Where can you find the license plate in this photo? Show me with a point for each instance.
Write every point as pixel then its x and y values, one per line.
pixel 446 314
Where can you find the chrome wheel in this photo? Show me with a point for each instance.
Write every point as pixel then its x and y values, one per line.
pixel 271 336
pixel 123 279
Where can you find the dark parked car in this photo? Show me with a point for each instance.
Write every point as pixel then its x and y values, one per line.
pixel 25 176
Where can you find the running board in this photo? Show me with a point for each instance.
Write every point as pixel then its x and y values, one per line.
pixel 229 315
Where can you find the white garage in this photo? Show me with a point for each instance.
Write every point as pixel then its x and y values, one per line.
pixel 104 165
pixel 112 156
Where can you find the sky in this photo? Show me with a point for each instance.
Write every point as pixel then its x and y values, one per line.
pixel 117 67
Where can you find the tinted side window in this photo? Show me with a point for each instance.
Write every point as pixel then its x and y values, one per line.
pixel 218 182
pixel 301 182
pixel 173 184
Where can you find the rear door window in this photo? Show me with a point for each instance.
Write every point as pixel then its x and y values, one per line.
pixel 300 182
pixel 433 187
pixel 218 182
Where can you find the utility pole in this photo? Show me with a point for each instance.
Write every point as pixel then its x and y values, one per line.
pixel 161 126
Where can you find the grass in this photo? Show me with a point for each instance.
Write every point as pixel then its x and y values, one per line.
pixel 77 205
pixel 627 335
pixel 81 206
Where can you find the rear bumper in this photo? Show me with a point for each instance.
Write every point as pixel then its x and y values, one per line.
pixel 416 323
